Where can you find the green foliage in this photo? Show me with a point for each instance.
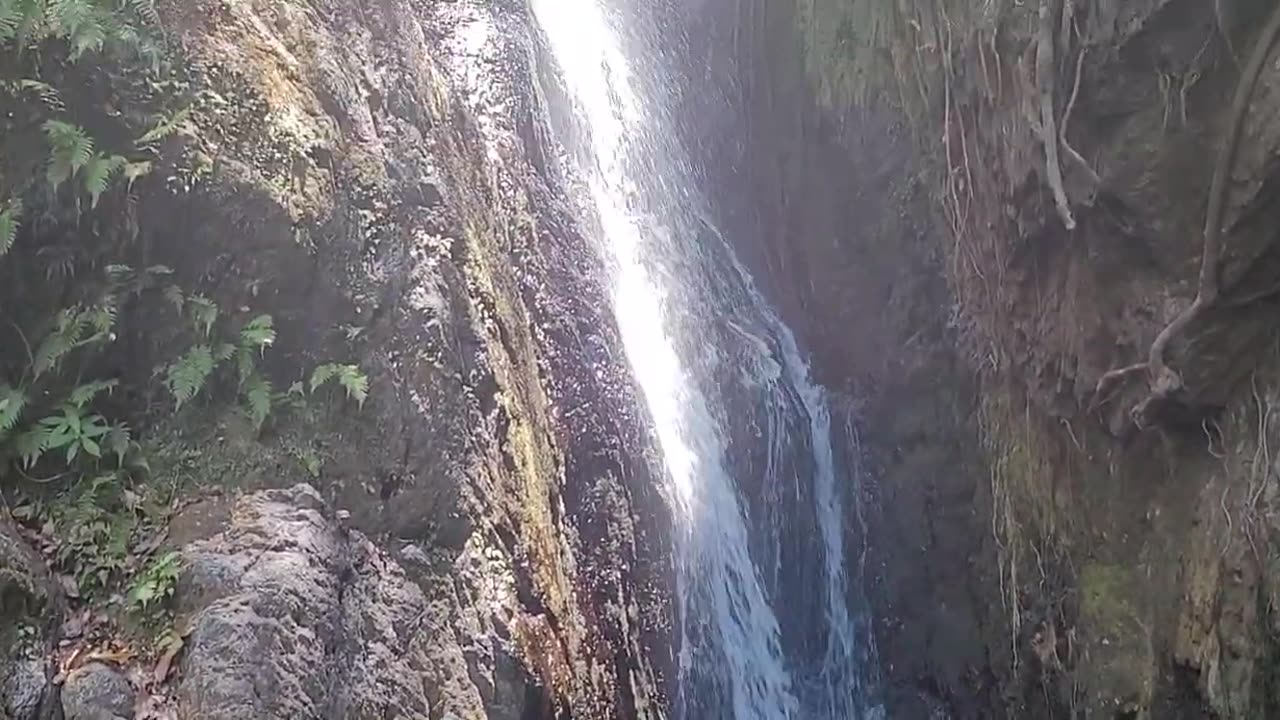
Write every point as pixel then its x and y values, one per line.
pixel 258 399
pixel 12 402
pixel 73 431
pixel 166 127
pixel 10 217
pixel 73 328
pixel 86 26
pixel 70 149
pixel 349 377
pixel 156 583
pixel 203 313
pixel 188 375
pixel 94 524
pixel 259 333
pixel 98 173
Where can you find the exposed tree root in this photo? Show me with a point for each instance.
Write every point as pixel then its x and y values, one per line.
pixel 1046 74
pixel 1163 380
pixel 1094 180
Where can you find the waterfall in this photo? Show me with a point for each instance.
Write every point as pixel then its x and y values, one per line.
pixel 769 624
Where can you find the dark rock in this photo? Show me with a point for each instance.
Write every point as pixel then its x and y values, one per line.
pixel 97 692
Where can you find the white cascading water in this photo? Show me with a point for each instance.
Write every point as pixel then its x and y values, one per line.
pixel 737 661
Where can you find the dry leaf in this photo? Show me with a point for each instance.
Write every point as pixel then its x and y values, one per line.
pixel 165 664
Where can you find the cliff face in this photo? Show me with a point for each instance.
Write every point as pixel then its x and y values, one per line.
pixel 1047 536
pixel 484 536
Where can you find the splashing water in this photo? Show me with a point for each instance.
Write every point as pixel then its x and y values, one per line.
pixel 735 413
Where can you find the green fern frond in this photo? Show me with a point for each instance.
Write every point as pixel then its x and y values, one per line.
pixel 19 20
pixel 32 444
pixel 323 374
pixel 102 317
pixel 12 402
pixel 246 364
pixel 98 173
pixel 174 295
pixel 349 377
pixel 259 333
pixel 166 126
pixel 89 38
pixel 223 353
pixel 204 313
pixel 66 334
pixel 10 219
pixel 70 150
pixel 10 20
pixel 355 383
pixel 188 375
pixel 257 400
pixel 145 9
pixel 47 93
pixel 85 394
pixel 118 441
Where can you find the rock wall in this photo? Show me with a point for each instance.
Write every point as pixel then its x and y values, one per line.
pixel 484 538
pixel 1045 542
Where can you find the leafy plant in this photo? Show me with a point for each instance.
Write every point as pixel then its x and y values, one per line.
pixel 70 149
pixel 349 377
pixel 156 583
pixel 187 376
pixel 85 25
pixel 10 217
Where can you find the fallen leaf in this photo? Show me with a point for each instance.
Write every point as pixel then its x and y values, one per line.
pixel 165 664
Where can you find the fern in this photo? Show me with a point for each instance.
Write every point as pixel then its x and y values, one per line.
pixel 12 402
pixel 118 441
pixel 101 318
pixel 349 377
pixel 246 364
pixel 31 445
pixel 11 17
pixel 70 150
pixel 188 375
pixel 257 400
pixel 145 9
pixel 174 295
pixel 204 313
pixel 47 93
pixel 85 394
pixel 166 126
pixel 259 333
pixel 64 338
pixel 98 173
pixel 10 219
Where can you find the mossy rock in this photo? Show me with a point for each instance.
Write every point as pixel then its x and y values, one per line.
pixel 1118 676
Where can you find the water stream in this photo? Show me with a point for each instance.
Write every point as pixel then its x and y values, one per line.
pixel 770 620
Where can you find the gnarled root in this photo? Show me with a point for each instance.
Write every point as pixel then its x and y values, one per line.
pixel 1163 381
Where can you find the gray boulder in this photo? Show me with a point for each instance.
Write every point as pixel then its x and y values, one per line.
pixel 97 692
pixel 29 613
pixel 292 616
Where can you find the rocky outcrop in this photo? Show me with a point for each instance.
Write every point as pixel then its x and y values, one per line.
pixel 291 614
pixel 375 177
